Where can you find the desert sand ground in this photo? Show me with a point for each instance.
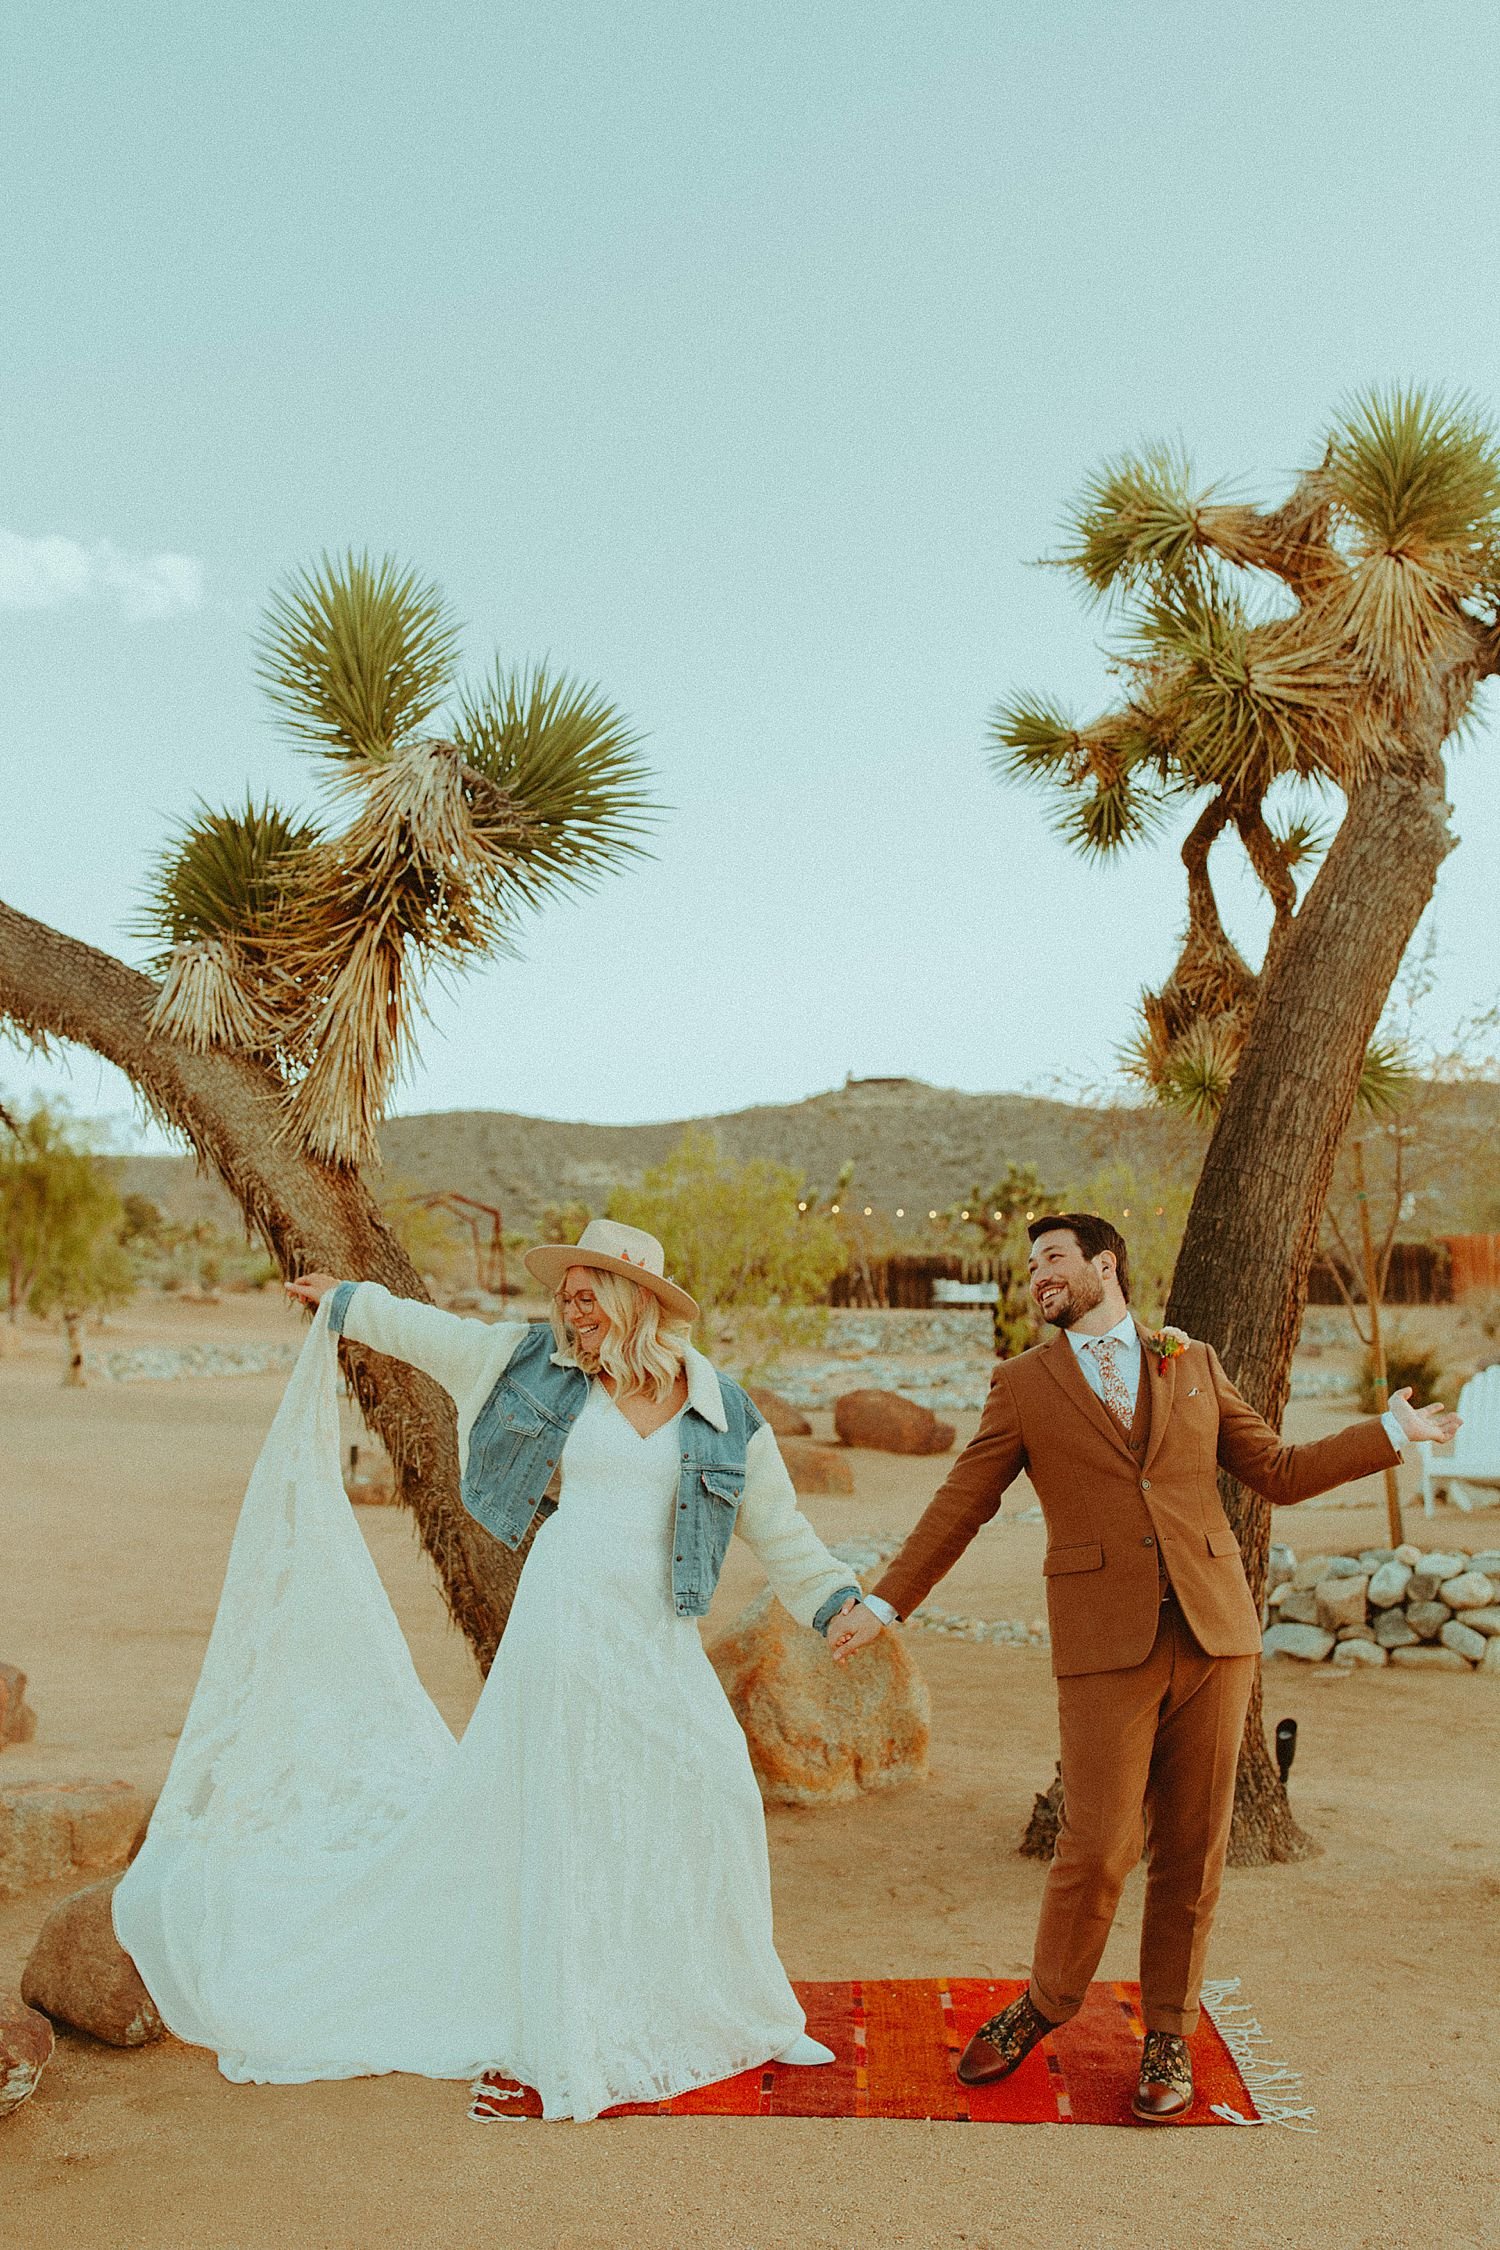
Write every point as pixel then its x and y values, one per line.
pixel 1372 1966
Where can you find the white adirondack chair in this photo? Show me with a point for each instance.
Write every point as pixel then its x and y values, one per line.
pixel 1474 1456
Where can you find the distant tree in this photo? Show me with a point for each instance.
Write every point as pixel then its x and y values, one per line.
pixel 60 1224
pixel 1270 657
pixel 563 1222
pixel 993 1220
pixel 289 955
pixel 1151 1214
pixel 733 1233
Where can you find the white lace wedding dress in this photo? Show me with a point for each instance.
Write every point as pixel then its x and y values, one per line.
pixel 576 1893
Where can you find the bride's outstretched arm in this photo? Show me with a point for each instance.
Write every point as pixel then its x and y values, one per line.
pixel 458 1353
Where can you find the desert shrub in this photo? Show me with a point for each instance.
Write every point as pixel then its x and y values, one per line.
pixel 1151 1214
pixel 734 1236
pixel 563 1222
pixel 1406 1362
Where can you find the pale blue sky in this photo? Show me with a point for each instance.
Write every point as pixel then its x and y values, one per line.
pixel 743 359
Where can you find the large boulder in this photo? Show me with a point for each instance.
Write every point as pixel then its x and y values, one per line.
pixel 821 1733
pixel 817 1468
pixel 26 2044
pixel 885 1422
pixel 1471 1589
pixel 785 1419
pixel 1388 1584
pixel 1308 1643
pixel 81 1975
pixel 1349 1655
pixel 52 1829
pixel 17 1719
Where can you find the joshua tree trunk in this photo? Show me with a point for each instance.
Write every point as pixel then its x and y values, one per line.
pixel 310 1215
pixel 1252 1232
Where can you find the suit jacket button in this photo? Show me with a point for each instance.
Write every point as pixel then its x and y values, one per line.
pixel 1145 1484
pixel 1148 1541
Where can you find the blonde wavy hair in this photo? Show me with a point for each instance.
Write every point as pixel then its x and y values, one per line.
pixel 644 1346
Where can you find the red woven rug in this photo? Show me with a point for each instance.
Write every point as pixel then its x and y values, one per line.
pixel 896 2042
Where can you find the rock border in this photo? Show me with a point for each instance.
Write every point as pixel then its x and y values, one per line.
pixel 1398 1608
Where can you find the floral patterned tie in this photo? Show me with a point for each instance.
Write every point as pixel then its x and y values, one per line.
pixel 1116 1397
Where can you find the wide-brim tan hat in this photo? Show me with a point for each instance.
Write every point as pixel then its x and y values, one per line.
pixel 612 1248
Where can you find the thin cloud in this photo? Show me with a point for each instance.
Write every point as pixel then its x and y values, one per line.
pixel 50 571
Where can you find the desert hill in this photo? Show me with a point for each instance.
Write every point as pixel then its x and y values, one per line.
pixel 912 1145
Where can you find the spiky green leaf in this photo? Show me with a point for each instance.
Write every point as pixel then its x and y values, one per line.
pixel 567 795
pixel 1302 839
pixel 356 655
pixel 1417 471
pixel 222 876
pixel 1137 519
pixel 1386 1078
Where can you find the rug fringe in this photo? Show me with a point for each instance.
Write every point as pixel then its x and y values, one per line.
pixel 1274 2086
pixel 486 2092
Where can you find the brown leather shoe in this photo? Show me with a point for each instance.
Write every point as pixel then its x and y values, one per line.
pixel 1165 2090
pixel 1001 2045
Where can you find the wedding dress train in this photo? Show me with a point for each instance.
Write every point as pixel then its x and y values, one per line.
pixel 576 1893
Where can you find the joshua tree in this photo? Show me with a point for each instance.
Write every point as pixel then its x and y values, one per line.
pixel 997 1216
pixel 289 953
pixel 1332 644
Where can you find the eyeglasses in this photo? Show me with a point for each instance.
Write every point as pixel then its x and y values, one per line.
pixel 583 1301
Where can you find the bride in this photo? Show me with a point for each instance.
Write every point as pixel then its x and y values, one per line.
pixel 576 1893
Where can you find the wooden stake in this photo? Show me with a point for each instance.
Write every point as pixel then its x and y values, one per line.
pixel 1377 1346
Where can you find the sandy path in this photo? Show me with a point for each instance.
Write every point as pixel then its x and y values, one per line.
pixel 1373 1966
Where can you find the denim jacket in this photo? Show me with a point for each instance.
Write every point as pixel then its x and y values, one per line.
pixel 518 1397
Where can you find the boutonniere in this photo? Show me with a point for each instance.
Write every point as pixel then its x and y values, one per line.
pixel 1166 1343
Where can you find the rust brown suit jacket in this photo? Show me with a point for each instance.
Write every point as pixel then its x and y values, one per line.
pixel 1110 1514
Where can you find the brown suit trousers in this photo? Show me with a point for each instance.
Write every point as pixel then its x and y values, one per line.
pixel 1151 1695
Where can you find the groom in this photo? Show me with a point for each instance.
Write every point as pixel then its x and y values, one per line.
pixel 1154 1635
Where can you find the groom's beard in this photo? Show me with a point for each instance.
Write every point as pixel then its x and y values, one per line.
pixel 1073 1300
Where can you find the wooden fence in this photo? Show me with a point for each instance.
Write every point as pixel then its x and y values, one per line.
pixel 904 1281
pixel 1474 1262
pixel 1420 1273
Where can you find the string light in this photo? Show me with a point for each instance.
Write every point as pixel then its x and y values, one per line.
pixel 802 1207
pixel 833 1207
pixel 932 1214
pixel 869 1211
pixel 900 1213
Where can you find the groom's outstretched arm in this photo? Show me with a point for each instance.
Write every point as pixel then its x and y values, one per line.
pixel 966 1499
pixel 1252 1451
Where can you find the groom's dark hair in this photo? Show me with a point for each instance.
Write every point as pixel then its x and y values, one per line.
pixel 1092 1234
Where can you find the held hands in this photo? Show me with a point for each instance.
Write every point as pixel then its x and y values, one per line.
pixel 852 1628
pixel 1424 1425
pixel 311 1288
